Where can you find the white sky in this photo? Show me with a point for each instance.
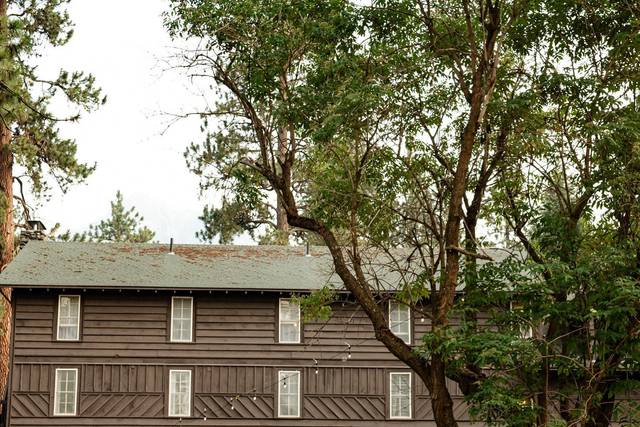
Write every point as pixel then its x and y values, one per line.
pixel 124 45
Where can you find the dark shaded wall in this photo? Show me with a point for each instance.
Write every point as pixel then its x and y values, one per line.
pixel 124 357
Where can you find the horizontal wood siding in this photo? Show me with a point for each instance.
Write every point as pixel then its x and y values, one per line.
pixel 229 329
pixel 124 355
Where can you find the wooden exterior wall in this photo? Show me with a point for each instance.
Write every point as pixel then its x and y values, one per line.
pixel 124 356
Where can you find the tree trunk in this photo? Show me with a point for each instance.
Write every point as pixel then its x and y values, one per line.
pixel 441 401
pixel 6 225
pixel 282 224
pixel 600 414
pixel 6 248
pixel 285 136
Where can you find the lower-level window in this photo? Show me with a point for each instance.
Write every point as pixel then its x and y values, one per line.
pixel 179 393
pixel 66 392
pixel 400 395
pixel 288 394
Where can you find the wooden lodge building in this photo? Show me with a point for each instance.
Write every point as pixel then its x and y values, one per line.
pixel 138 335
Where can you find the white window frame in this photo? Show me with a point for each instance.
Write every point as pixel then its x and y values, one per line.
pixel 409 333
pixel 170 400
pixel 280 322
pixel 410 416
pixel 77 325
pixel 525 332
pixel 286 374
pixel 172 338
pixel 56 398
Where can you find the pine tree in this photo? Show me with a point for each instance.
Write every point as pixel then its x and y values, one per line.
pixel 124 225
pixel 29 136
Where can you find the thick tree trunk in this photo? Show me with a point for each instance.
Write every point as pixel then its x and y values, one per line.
pixel 285 137
pixel 6 226
pixel 441 401
pixel 6 248
pixel 281 212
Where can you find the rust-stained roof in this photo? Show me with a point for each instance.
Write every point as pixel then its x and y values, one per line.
pixel 122 265
pixel 48 264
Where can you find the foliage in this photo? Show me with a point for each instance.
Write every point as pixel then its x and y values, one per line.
pixel 29 28
pixel 317 305
pixel 395 130
pixel 124 225
pixel 269 58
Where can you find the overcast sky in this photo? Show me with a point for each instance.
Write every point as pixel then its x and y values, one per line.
pixel 124 45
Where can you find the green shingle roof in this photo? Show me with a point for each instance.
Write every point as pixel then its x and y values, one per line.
pixel 47 264
pixel 121 265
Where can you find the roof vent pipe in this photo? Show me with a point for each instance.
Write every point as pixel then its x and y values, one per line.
pixel 171 246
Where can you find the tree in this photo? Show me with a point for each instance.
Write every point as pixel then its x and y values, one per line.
pixel 411 124
pixel 570 197
pixel 337 120
pixel 29 137
pixel 567 189
pixel 124 225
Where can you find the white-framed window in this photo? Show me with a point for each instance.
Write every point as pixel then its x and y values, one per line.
pixel 525 330
pixel 400 395
pixel 179 393
pixel 289 319
pixel 400 320
pixel 66 392
pixel 68 318
pixel 288 394
pixel 181 319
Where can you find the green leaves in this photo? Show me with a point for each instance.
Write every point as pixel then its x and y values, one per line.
pixel 356 113
pixel 26 96
pixel 317 305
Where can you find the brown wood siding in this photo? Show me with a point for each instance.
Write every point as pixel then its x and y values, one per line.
pixel 124 355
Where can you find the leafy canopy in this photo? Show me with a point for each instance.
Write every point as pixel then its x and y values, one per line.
pixel 27 29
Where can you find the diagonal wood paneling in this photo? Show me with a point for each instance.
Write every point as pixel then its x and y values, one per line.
pixel 344 407
pixel 30 404
pixel 216 406
pixel 121 405
pixel 423 410
pixel 460 409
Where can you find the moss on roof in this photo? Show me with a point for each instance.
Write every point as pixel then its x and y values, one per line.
pixel 120 265
pixel 48 264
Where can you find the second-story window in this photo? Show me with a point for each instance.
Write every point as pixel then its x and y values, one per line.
pixel 68 318
pixel 288 394
pixel 181 319
pixel 525 330
pixel 289 319
pixel 400 320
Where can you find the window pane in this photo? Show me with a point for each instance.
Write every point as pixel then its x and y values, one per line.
pixel 179 393
pixel 181 319
pixel 400 321
pixel 289 332
pixel 68 317
pixel 289 321
pixel 65 392
pixel 289 394
pixel 289 310
pixel 400 395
